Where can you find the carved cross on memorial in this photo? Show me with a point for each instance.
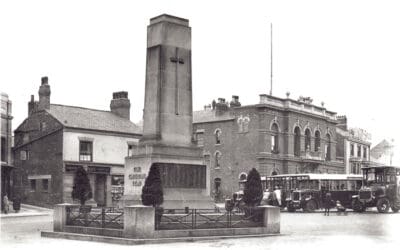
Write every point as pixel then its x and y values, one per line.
pixel 177 61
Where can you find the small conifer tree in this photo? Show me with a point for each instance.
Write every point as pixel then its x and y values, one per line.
pixel 152 192
pixel 81 190
pixel 253 192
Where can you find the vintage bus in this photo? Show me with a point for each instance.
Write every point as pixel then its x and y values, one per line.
pixel 380 189
pixel 307 191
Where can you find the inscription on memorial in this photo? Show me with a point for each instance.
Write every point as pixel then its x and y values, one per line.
pixel 138 177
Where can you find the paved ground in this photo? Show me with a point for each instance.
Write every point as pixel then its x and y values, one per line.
pixel 299 231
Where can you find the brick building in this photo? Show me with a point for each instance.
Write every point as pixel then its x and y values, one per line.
pixel 352 147
pixel 54 140
pixel 276 136
pixel 6 144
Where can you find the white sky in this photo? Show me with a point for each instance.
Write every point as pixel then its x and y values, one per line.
pixel 345 53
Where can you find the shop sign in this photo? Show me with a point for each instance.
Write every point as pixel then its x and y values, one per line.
pixel 99 170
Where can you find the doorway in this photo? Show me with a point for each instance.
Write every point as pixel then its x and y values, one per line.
pixel 100 190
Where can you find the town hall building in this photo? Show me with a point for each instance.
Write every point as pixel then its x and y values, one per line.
pixel 275 136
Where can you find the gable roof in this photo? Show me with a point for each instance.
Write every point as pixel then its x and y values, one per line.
pixel 92 119
pixel 202 116
pixel 382 148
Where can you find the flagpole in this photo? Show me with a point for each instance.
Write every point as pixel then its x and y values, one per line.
pixel 270 91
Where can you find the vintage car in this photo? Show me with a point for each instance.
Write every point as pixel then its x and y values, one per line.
pixel 380 189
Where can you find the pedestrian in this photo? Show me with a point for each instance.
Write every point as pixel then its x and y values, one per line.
pixel 327 203
pixel 278 195
pixel 340 208
pixel 6 204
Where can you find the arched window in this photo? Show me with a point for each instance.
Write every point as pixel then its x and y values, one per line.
pixel 328 148
pixel 243 177
pixel 217 136
pixel 217 159
pixel 297 141
pixel 307 141
pixel 317 143
pixel 275 139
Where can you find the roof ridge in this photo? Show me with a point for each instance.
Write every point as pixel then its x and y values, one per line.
pixel 71 106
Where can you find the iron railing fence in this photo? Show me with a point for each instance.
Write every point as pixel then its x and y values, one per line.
pixel 181 219
pixel 101 217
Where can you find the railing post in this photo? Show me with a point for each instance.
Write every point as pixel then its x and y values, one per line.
pixel 60 217
pixel 194 215
pixel 139 222
pixel 272 218
pixel 229 215
pixel 103 217
pixel 85 217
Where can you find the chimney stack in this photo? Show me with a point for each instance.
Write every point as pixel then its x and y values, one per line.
pixel 221 106
pixel 44 94
pixel 235 101
pixel 120 104
pixel 32 105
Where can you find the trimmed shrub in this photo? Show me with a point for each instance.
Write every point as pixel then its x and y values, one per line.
pixel 253 191
pixel 81 190
pixel 152 192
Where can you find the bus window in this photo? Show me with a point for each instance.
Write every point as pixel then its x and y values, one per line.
pixel 379 176
pixel 314 185
pixel 353 185
pixel 343 185
pixel 324 185
pixel 294 183
pixel 390 179
pixel 302 184
pixel 370 175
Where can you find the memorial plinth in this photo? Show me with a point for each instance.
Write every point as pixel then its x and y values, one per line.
pixel 167 121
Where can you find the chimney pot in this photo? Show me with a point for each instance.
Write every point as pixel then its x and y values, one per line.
pixel 120 104
pixel 45 80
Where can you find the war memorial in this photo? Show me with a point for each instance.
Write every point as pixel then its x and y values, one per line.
pixel 188 212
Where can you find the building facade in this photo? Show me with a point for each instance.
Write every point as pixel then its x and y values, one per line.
pixel 54 140
pixel 5 147
pixel 353 147
pixel 275 136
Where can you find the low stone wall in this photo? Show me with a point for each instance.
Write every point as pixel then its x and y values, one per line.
pixel 95 231
pixel 210 232
pixel 139 223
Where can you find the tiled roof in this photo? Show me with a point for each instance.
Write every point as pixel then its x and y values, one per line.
pixel 210 116
pixel 84 118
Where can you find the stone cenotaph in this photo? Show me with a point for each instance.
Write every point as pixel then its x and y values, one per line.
pixel 167 122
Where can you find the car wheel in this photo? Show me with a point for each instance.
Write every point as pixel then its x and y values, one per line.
pixel 291 209
pixel 311 206
pixel 383 205
pixel 357 206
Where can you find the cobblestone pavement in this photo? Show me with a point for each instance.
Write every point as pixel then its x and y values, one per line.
pixel 299 231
